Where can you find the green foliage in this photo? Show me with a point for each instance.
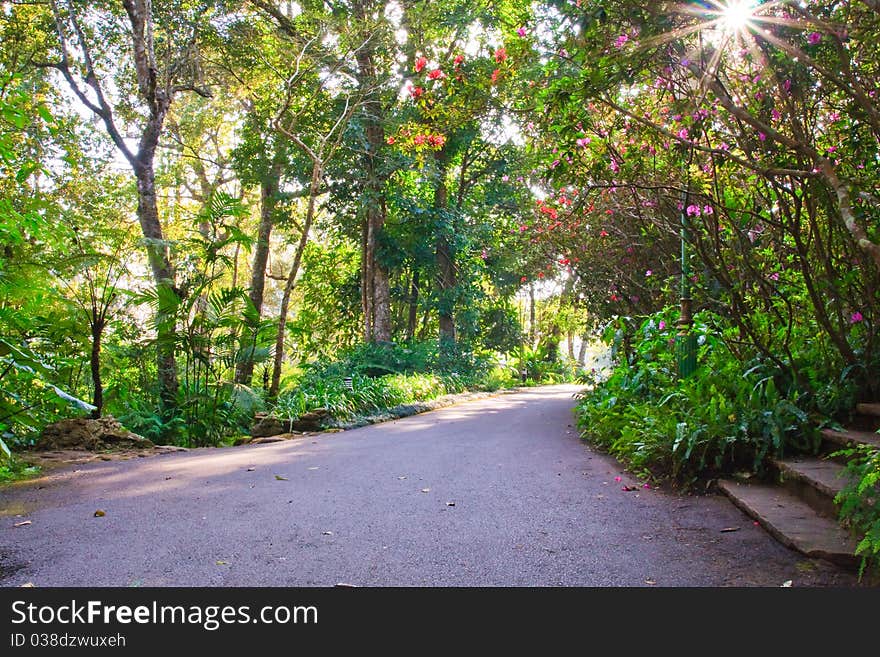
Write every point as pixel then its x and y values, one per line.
pixel 539 365
pixel 368 395
pixel 858 501
pixel 729 415
pixel 15 469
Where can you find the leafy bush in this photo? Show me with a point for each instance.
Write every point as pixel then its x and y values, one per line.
pixel 859 501
pixel 368 394
pixel 729 415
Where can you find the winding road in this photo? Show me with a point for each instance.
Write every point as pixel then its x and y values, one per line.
pixel 493 492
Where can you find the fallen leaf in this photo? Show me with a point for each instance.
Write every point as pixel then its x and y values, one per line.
pixel 314 468
pixel 100 514
pixel 251 469
pixel 22 523
pixel 327 533
pixel 450 504
pixel 402 477
pixel 600 497
pixel 280 478
pixel 650 582
pixel 426 490
pixel 786 584
pixel 729 529
pixel 221 563
pixel 618 479
pixel 29 585
pixel 345 585
pixel 628 488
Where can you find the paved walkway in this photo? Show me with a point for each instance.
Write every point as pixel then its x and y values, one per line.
pixel 491 492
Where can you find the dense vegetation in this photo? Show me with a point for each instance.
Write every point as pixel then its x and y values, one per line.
pixel 209 209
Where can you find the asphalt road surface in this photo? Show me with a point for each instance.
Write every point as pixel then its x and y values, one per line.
pixel 494 492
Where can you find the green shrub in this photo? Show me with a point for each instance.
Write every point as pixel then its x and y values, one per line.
pixel 729 415
pixel 859 508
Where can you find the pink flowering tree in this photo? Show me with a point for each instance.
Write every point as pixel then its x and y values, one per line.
pixel 762 136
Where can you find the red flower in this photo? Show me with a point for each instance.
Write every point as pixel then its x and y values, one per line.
pixel 540 274
pixel 435 74
pixel 500 55
pixel 436 140
pixel 418 140
pixel 390 141
pixel 495 75
pixel 421 63
pixel 416 92
pixel 458 59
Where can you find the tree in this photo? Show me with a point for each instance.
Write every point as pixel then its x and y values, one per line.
pixel 82 62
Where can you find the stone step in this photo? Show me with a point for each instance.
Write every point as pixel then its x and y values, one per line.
pixel 815 480
pixel 872 409
pixel 851 437
pixel 793 522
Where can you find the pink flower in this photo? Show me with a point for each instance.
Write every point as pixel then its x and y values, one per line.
pixel 813 38
pixel 621 41
pixel 774 276
pixel 661 325
pixel 708 209
pixel 583 141
pixel 646 485
pixel 421 63
pixel 522 31
pixel 618 479
pixel 762 136
pixel 500 55
pixel 856 317
pixel 683 133
pixel 649 273
pixel 693 210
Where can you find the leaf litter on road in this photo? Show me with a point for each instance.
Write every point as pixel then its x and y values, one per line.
pixel 23 523
pixel 281 478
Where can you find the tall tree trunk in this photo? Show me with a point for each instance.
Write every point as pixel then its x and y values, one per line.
pixel 532 328
pixel 582 352
pixel 95 362
pixel 314 189
pixel 163 275
pixel 376 289
pixel 444 254
pixel 412 319
pixel 269 187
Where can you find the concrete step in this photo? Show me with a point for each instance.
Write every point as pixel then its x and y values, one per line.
pixel 872 409
pixel 793 522
pixel 851 437
pixel 815 480
pixel 866 417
